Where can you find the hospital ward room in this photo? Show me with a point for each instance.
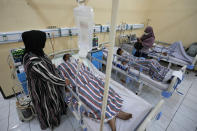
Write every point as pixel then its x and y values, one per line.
pixel 98 65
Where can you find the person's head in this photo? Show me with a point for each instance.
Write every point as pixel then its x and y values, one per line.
pixel 124 62
pixel 34 41
pixel 66 57
pixel 149 31
pixel 119 51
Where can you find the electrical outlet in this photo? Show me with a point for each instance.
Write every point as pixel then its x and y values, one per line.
pixel 105 28
pixel 127 26
pixel 52 32
pixel 5 38
pixel 101 28
pixel 97 29
pixel 108 29
pixel 1 38
pixel 138 26
pixel 69 32
pixel 75 31
pixel 123 26
pixel 119 27
pixel 64 31
pixel 130 27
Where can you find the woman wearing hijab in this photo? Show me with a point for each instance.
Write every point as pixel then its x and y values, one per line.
pixel 44 82
pixel 145 42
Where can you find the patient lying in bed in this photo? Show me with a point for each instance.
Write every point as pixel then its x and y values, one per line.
pixel 175 50
pixel 90 90
pixel 150 67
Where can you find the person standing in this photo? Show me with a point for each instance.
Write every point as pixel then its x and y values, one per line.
pixel 44 82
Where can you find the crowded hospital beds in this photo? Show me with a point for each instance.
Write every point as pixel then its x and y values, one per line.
pixel 167 88
pixel 173 54
pixel 142 111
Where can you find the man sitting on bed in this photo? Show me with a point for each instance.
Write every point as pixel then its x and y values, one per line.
pixel 150 66
pixel 90 90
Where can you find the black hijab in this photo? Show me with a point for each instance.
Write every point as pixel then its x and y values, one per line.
pixel 34 42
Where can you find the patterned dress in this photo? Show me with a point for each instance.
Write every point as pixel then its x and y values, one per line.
pixel 46 89
pixel 90 90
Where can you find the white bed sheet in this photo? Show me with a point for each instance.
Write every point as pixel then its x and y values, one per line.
pixel 132 104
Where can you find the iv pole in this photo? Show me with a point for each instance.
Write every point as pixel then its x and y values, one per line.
pixel 112 34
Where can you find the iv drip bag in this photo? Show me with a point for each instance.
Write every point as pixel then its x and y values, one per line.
pixel 84 16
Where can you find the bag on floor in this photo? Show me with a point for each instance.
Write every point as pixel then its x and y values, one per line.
pixel 138 45
pixel 192 50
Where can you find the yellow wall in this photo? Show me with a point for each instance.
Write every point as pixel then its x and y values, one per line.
pixel 19 15
pixel 174 20
pixel 35 14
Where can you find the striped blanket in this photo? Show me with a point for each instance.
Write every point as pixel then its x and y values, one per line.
pixel 90 90
pixel 150 67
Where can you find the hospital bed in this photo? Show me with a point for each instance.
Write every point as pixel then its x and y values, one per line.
pixel 143 112
pixel 157 53
pixel 137 75
pixel 160 47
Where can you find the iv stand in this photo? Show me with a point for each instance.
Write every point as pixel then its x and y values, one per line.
pixel 112 34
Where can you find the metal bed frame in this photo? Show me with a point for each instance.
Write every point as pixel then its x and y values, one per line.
pixel 165 93
pixel 154 114
pixel 160 57
pixel 167 58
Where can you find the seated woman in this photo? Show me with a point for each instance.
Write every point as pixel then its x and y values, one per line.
pixel 150 66
pixel 145 42
pixel 90 90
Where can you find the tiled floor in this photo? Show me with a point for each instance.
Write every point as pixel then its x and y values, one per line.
pixel 179 113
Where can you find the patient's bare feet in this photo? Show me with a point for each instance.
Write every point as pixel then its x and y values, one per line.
pixel 124 116
pixel 112 124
